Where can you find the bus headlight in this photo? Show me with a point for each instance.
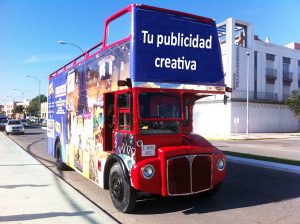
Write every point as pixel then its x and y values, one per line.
pixel 148 171
pixel 221 164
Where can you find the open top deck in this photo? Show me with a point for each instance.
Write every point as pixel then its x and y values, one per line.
pixel 168 49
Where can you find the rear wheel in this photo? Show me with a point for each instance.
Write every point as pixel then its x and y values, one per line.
pixel 59 162
pixel 122 194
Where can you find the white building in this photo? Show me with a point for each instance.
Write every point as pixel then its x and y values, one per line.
pixel 8 108
pixel 24 103
pixel 273 71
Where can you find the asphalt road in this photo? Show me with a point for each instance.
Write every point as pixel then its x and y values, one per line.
pixel 248 195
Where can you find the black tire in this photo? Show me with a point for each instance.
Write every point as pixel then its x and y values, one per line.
pixel 6 133
pixel 59 163
pixel 122 194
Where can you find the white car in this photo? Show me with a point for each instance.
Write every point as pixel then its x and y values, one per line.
pixel 14 126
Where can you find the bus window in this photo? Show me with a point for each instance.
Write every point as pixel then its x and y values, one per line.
pixel 124 113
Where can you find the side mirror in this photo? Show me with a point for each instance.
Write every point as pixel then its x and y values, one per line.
pixel 126 82
pixel 121 83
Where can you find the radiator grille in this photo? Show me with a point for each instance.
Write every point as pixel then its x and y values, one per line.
pixel 201 173
pixel 189 174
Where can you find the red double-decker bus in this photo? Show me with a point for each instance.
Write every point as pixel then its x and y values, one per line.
pixel 121 114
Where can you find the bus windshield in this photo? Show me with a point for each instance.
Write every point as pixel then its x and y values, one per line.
pixel 155 111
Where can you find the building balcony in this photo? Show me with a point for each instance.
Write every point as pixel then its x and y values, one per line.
pixel 254 96
pixel 287 78
pixel 271 74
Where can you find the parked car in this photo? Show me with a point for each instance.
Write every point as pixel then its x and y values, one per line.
pixel 3 121
pixel 24 122
pixel 14 127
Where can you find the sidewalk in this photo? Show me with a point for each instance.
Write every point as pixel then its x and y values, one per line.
pixel 30 193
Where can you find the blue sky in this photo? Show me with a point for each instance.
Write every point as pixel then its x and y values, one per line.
pixel 30 31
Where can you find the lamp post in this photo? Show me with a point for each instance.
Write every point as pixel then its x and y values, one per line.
pixel 39 102
pixel 247 104
pixel 63 42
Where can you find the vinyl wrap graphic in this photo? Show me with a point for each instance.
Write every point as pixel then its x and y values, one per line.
pixel 78 112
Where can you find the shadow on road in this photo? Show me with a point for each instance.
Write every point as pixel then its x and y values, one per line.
pixel 243 187
pixel 25 217
pixel 22 185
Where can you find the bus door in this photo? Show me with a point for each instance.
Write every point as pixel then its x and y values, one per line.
pixel 124 139
pixel 108 120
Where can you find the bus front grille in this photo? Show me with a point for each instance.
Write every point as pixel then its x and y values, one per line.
pixel 189 174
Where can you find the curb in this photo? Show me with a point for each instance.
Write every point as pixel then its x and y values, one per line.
pixel 265 164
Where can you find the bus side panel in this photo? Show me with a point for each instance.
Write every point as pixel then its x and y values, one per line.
pixel 56 124
pixel 86 84
pixel 50 119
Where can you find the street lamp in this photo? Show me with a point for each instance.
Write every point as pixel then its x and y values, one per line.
pixel 247 104
pixel 39 102
pixel 63 42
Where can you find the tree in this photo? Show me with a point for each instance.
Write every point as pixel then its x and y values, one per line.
pixel 293 102
pixel 33 108
pixel 18 109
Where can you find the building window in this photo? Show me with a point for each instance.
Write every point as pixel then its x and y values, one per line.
pixel 286 65
pixel 270 60
pixel 271 73
pixel 287 76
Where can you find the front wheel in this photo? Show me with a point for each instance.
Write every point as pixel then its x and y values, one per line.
pixel 122 194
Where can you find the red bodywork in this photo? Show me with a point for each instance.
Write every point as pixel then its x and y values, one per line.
pixel 183 144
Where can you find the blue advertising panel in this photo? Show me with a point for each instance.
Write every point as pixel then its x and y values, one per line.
pixel 56 122
pixel 173 48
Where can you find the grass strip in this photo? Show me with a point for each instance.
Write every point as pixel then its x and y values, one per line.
pixel 263 158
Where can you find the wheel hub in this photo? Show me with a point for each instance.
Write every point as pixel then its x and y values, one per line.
pixel 117 188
